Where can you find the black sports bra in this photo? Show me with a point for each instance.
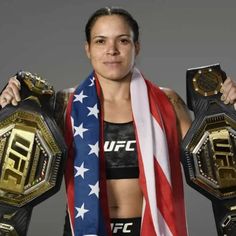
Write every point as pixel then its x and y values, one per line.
pixel 120 151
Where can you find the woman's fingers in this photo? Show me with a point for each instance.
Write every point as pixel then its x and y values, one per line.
pixel 228 90
pixel 15 86
pixel 11 93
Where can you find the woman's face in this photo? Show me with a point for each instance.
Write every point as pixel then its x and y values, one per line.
pixel 111 50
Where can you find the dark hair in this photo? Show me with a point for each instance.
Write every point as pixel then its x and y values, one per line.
pixel 107 11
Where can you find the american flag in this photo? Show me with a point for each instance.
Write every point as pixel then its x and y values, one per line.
pixel 85 122
pixel 158 155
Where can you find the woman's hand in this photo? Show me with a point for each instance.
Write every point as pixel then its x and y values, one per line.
pixel 228 91
pixel 11 94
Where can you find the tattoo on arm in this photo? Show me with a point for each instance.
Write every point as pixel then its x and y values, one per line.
pixel 177 102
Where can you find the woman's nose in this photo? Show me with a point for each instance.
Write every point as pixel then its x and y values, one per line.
pixel 112 48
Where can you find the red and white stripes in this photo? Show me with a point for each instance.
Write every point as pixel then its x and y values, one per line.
pixel 159 211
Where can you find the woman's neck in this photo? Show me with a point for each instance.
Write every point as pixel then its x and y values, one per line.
pixel 115 90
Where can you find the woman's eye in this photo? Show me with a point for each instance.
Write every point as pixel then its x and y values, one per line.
pixel 124 41
pixel 100 41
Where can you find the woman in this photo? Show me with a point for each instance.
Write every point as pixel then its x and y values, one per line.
pixel 128 196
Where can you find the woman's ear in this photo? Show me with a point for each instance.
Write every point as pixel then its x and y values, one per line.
pixel 87 49
pixel 137 48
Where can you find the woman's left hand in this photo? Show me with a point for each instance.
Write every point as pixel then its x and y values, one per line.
pixel 228 91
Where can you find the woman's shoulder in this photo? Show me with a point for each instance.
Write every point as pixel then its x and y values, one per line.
pixel 172 95
pixel 182 113
pixel 174 98
pixel 62 98
pixel 65 91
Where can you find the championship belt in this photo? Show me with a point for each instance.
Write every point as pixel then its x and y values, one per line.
pixel 209 147
pixel 32 154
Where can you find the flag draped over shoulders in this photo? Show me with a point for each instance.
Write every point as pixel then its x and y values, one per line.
pixel 158 155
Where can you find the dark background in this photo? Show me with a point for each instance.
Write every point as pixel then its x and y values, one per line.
pixel 47 37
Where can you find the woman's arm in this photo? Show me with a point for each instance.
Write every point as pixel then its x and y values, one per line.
pixel 182 113
pixel 184 120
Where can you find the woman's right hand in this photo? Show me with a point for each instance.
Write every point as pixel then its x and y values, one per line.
pixel 11 94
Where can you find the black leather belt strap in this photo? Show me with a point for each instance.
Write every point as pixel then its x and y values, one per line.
pixel 14 221
pixel 209 147
pixel 32 154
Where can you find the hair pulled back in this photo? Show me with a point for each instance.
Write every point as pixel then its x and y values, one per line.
pixel 108 11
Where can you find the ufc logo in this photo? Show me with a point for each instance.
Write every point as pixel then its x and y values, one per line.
pixel 121 227
pixel 224 158
pixel 115 146
pixel 17 159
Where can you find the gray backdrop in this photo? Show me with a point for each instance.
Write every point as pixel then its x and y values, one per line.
pixel 47 37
